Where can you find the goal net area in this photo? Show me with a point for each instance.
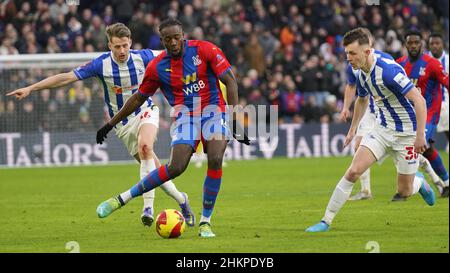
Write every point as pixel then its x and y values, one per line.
pixel 58 126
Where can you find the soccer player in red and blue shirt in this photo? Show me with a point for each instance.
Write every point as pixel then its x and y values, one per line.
pixel 188 74
pixel 427 74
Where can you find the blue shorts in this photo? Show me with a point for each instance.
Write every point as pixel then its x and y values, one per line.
pixel 191 130
pixel 430 130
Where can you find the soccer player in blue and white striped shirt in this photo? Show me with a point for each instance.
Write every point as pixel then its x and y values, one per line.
pixel 399 131
pixel 367 124
pixel 120 72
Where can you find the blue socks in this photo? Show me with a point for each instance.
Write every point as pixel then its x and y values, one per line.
pixel 211 188
pixel 151 181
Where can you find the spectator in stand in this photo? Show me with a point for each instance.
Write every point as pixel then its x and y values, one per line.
pixel 291 103
pixel 254 55
pixel 28 120
pixel 301 39
pixel 7 47
pixel 311 111
pixel 59 7
pixel 10 118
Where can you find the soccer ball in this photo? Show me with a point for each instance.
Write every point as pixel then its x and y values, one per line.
pixel 170 223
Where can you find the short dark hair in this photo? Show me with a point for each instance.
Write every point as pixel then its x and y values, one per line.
pixel 436 35
pixel 362 35
pixel 169 22
pixel 413 32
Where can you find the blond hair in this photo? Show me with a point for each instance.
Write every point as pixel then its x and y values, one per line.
pixel 118 30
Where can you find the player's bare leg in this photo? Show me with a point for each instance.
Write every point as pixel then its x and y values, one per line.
pixel 365 192
pixel 215 150
pixel 362 160
pixel 410 184
pixel 146 139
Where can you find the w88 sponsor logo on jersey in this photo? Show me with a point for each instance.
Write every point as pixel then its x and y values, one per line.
pixel 194 87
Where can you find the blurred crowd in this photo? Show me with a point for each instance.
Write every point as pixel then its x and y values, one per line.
pixel 284 52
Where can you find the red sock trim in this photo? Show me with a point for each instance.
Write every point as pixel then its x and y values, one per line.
pixel 163 174
pixel 434 155
pixel 215 174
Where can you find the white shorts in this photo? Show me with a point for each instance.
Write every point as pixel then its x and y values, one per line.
pixel 366 124
pixel 443 120
pixel 129 133
pixel 382 141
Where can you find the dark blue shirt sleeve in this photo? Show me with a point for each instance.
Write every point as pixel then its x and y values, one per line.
pixel 351 78
pixel 396 80
pixel 89 69
pixel 147 55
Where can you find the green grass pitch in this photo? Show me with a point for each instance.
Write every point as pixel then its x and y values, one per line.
pixel 263 206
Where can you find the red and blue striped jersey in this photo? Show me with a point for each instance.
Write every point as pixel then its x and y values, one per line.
pixel 193 78
pixel 427 74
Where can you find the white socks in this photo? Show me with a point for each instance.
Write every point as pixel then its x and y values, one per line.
pixel 338 199
pixel 126 196
pixel 168 187
pixel 205 219
pixel 426 167
pixel 146 167
pixel 365 181
pixel 416 184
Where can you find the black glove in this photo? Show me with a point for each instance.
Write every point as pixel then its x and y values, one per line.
pixel 102 132
pixel 239 133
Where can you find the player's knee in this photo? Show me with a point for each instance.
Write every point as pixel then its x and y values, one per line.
pixel 354 172
pixel 175 169
pixel 215 162
pixel 145 150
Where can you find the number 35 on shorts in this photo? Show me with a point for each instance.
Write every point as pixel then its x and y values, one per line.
pixel 146 115
pixel 410 154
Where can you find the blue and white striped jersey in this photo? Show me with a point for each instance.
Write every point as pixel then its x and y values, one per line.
pixel 388 84
pixel 352 75
pixel 119 80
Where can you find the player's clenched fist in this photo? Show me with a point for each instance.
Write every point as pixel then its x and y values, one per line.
pixel 420 144
pixel 20 93
pixel 239 133
pixel 103 132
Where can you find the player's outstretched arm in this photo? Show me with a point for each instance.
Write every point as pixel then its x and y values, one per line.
pixel 420 106
pixel 129 107
pixel 50 82
pixel 361 104
pixel 349 94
